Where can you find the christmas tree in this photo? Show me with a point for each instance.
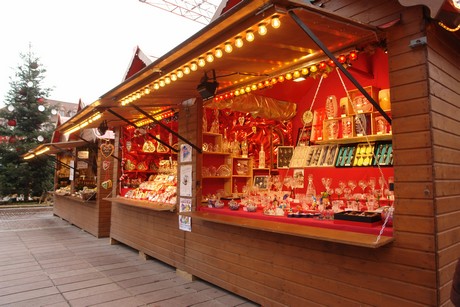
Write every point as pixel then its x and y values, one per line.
pixel 28 124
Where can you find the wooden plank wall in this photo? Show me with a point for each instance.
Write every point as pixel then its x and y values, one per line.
pixel 444 89
pixel 155 233
pixel 81 214
pixel 276 270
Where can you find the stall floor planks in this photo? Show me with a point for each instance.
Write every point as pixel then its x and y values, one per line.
pixel 46 261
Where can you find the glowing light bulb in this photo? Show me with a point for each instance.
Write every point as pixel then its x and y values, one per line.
pixel 275 22
pixel 228 47
pixel 187 70
pixel 193 66
pixel 342 59
pixel 353 55
pixel 147 90
pixel 209 57
pixel 305 71
pixel 156 85
pixel 167 80
pixel 162 83
pixel 239 42
pixel 288 76
pixel 180 73
pixel 262 29
pixel 173 77
pixel 250 36
pixel 201 62
pixel 218 53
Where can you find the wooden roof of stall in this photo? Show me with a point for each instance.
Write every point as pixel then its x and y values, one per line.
pixel 278 52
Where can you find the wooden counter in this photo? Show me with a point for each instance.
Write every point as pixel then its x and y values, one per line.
pixel 92 216
pixel 151 228
pixel 311 232
pixel 143 204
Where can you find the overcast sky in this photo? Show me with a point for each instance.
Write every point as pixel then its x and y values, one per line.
pixel 85 45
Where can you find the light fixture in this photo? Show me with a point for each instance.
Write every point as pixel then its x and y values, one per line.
pixel 147 90
pixel 103 127
pixel 209 57
pixel 250 36
pixel 304 71
pixel 29 156
pixel 201 62
pixel 342 58
pixel 156 86
pixel 288 76
pixel 275 22
pixel 180 73
pixel 167 80
pixel 239 42
pixel 207 89
pixel 353 55
pixel 262 29
pixel 162 83
pixel 193 66
pixel 218 53
pixel 173 77
pixel 228 47
pixel 187 70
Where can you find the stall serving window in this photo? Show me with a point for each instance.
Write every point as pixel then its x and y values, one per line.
pixel 329 166
pixel 149 165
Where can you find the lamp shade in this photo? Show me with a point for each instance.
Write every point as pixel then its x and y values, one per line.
pixel 207 89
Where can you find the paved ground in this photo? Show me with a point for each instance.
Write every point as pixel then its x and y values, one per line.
pixel 44 261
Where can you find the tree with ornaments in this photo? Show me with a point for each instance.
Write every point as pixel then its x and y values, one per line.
pixel 27 125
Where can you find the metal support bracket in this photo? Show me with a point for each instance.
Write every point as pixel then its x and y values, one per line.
pixel 166 127
pixel 133 125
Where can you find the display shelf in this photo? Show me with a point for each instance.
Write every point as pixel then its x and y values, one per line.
pixel 311 232
pixel 358 139
pixel 155 206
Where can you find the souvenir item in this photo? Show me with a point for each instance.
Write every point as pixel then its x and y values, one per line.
pixel 331 107
pixel 148 146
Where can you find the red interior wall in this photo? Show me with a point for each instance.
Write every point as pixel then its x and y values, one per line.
pixel 369 70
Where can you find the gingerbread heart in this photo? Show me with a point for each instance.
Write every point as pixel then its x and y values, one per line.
pixel 107 150
pixel 105 165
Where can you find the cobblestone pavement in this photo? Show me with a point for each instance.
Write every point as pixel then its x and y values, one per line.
pixel 29 218
pixel 45 261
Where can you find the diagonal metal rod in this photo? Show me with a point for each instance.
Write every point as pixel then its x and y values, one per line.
pixel 133 125
pixel 320 44
pixel 166 127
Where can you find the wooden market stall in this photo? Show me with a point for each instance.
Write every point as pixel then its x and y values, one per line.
pixel 280 260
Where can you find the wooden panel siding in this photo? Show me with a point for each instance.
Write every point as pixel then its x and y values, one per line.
pixel 154 233
pixel 79 213
pixel 444 74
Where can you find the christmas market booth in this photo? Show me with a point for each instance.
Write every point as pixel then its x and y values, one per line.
pixel 83 162
pixel 297 153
